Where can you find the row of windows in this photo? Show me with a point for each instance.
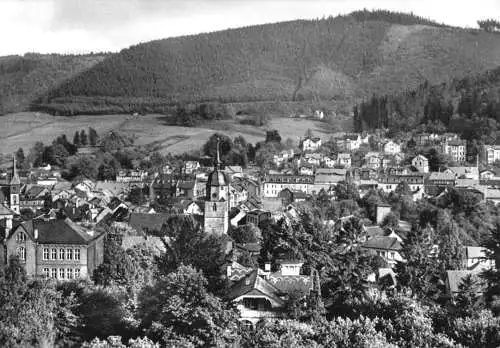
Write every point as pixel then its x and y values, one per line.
pixel 64 254
pixel 62 273
pixel 51 254
pixel 390 255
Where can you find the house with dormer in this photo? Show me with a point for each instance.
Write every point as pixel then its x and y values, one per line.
pixel 260 294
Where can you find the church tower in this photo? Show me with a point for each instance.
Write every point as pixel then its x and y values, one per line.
pixel 216 220
pixel 15 189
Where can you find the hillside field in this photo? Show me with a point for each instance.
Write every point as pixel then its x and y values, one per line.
pixel 24 129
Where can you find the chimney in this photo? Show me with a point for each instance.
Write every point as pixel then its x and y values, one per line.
pixel 229 271
pixel 36 233
pixel 267 267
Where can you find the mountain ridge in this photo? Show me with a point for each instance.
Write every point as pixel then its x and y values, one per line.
pixel 336 61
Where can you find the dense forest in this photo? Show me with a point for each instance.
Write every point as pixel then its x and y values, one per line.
pixel 469 106
pixel 24 78
pixel 338 59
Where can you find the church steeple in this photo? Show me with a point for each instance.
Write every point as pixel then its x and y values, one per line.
pixel 218 164
pixel 15 177
pixel 15 188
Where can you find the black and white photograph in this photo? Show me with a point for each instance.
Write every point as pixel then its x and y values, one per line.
pixel 249 173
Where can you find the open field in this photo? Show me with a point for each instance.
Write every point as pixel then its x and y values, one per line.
pixel 24 129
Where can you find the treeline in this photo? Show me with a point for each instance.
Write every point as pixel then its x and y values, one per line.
pixel 468 106
pixel 394 17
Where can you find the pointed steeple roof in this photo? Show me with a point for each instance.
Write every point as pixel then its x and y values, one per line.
pixel 15 177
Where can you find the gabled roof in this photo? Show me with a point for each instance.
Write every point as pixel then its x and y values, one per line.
pixel 254 283
pixel 442 176
pixel 57 232
pixel 386 243
pixel 474 252
pixel 6 211
pixel 150 222
pixel 455 278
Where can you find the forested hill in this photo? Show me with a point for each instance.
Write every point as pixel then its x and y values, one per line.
pixel 469 106
pixel 24 78
pixel 335 59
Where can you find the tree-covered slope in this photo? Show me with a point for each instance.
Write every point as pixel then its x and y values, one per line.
pixel 469 106
pixel 24 78
pixel 342 58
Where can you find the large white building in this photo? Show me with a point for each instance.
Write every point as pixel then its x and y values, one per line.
pixel 491 153
pixel 275 183
pixel 455 149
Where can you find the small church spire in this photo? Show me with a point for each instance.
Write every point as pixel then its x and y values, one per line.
pixel 15 177
pixel 218 164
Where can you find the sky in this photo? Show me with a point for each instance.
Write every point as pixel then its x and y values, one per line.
pixel 82 26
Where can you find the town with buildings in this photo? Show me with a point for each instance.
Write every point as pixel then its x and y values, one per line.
pixel 362 184
pixel 180 174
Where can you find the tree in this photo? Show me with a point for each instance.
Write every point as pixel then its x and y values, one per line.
pixel 273 136
pixel 225 146
pixel 76 139
pixel 33 313
pixel 391 221
pixel 492 276
pixel 309 133
pixel 35 156
pixel 117 268
pixel 20 158
pixel 345 190
pixel 179 307
pixel 82 166
pixel 467 301
pixel 93 137
pixel 189 245
pixel 56 154
pixel 246 234
pixel 419 271
pixel 83 138
pixel 489 24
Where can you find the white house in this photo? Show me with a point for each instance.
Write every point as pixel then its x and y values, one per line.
pixel 477 255
pixel 421 163
pixel 455 149
pixel 311 144
pixel 392 147
pixel 491 153
pixel 344 159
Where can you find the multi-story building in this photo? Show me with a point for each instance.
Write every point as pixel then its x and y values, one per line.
pixel 131 176
pixel 491 153
pixel 421 163
pixel 274 183
pixel 392 147
pixel 349 142
pixel 57 249
pixel 311 144
pixel 388 183
pixel 456 149
pixel 344 159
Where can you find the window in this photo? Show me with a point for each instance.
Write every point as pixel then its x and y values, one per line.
pixel 21 237
pixel 45 253
pixel 61 254
pixel 53 255
pixel 46 272
pixel 53 273
pixel 69 273
pixel 61 273
pixel 21 253
pixel 393 255
pixel 77 272
pixel 77 254
pixel 69 254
